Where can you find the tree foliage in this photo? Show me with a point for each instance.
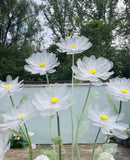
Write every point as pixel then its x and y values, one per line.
pixel 18 27
pixel 18 23
pixel 95 19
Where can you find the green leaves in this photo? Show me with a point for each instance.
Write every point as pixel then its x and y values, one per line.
pixel 15 132
pixel 23 99
pixel 57 140
pixel 83 128
pixel 112 104
pixel 17 140
pixel 52 155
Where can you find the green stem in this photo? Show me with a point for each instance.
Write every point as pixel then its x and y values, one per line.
pixel 95 143
pixel 71 110
pixel 120 107
pixel 24 133
pixel 52 133
pixel 11 99
pixel 108 137
pixel 58 126
pixel 79 121
pixel 47 79
pixel 29 143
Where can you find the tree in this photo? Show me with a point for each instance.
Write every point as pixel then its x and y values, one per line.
pixel 18 22
pixel 18 27
pixel 95 19
pixel 59 15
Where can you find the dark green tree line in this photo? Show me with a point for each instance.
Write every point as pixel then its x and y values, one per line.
pixel 18 27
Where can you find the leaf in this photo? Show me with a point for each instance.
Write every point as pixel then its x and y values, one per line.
pixel 57 140
pixel 83 128
pixel 23 99
pixel 51 117
pixel 49 153
pixel 40 153
pixel 112 104
pixel 93 95
pixel 15 132
pixel 83 115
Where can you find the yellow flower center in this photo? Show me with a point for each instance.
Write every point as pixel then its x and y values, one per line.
pixel 20 116
pixel 104 117
pixel 73 45
pixel 123 90
pixel 92 71
pixel 54 100
pixel 42 64
pixel 7 86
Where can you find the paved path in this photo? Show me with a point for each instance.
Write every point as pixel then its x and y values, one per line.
pixel 123 153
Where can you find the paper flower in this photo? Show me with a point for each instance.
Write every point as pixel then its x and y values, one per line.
pixel 119 88
pixel 4 145
pixel 42 157
pixel 30 134
pixel 34 146
pixel 110 148
pixel 92 69
pixel 17 117
pixel 109 123
pixel 41 63
pixel 10 86
pixel 52 100
pixel 106 156
pixel 74 45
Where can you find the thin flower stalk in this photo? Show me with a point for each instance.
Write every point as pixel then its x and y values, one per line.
pixel 58 127
pixel 95 143
pixel 52 133
pixel 79 121
pixel 23 133
pixel 11 99
pixel 120 107
pixel 29 143
pixel 71 110
pixel 47 79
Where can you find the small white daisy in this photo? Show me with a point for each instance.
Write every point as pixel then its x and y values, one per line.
pixel 42 157
pixel 52 100
pixel 10 86
pixel 119 88
pixel 109 123
pixel 92 69
pixel 17 117
pixel 110 148
pixel 74 45
pixel 41 63
pixel 105 156
pixel 4 145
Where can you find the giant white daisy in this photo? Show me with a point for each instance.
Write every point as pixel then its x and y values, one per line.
pixel 52 100
pixel 108 122
pixel 92 69
pixel 119 88
pixel 10 86
pixel 4 145
pixel 74 45
pixel 17 117
pixel 41 63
